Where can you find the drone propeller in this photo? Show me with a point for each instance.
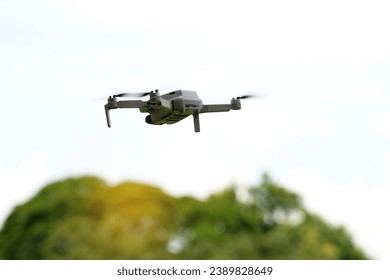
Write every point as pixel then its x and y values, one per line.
pixel 125 94
pixel 128 94
pixel 246 96
pixel 250 94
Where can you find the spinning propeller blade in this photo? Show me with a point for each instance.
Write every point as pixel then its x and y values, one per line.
pixel 246 96
pixel 128 94
pixel 252 94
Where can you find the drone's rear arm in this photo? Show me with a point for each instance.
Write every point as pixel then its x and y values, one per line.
pixel 131 104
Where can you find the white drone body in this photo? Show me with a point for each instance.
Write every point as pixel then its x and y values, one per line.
pixel 171 107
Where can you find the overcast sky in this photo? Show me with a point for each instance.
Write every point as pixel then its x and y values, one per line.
pixel 322 130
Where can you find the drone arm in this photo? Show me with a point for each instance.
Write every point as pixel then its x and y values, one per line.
pixel 216 108
pixel 210 109
pixel 114 104
pixel 235 104
pixel 131 104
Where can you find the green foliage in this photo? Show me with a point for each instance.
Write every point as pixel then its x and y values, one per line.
pixel 85 218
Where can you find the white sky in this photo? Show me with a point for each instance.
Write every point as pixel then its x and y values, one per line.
pixel 323 129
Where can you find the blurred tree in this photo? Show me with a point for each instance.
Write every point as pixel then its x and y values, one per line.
pixel 27 229
pixel 85 218
pixel 269 224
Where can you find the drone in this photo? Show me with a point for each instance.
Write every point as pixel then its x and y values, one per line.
pixel 171 107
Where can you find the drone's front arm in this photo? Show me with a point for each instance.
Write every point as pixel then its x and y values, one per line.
pixel 235 104
pixel 112 103
pixel 216 108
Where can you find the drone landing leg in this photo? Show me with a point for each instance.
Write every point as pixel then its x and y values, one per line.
pixel 107 115
pixel 196 122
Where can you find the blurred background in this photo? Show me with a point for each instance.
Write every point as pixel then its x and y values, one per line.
pixel 84 218
pixel 321 131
